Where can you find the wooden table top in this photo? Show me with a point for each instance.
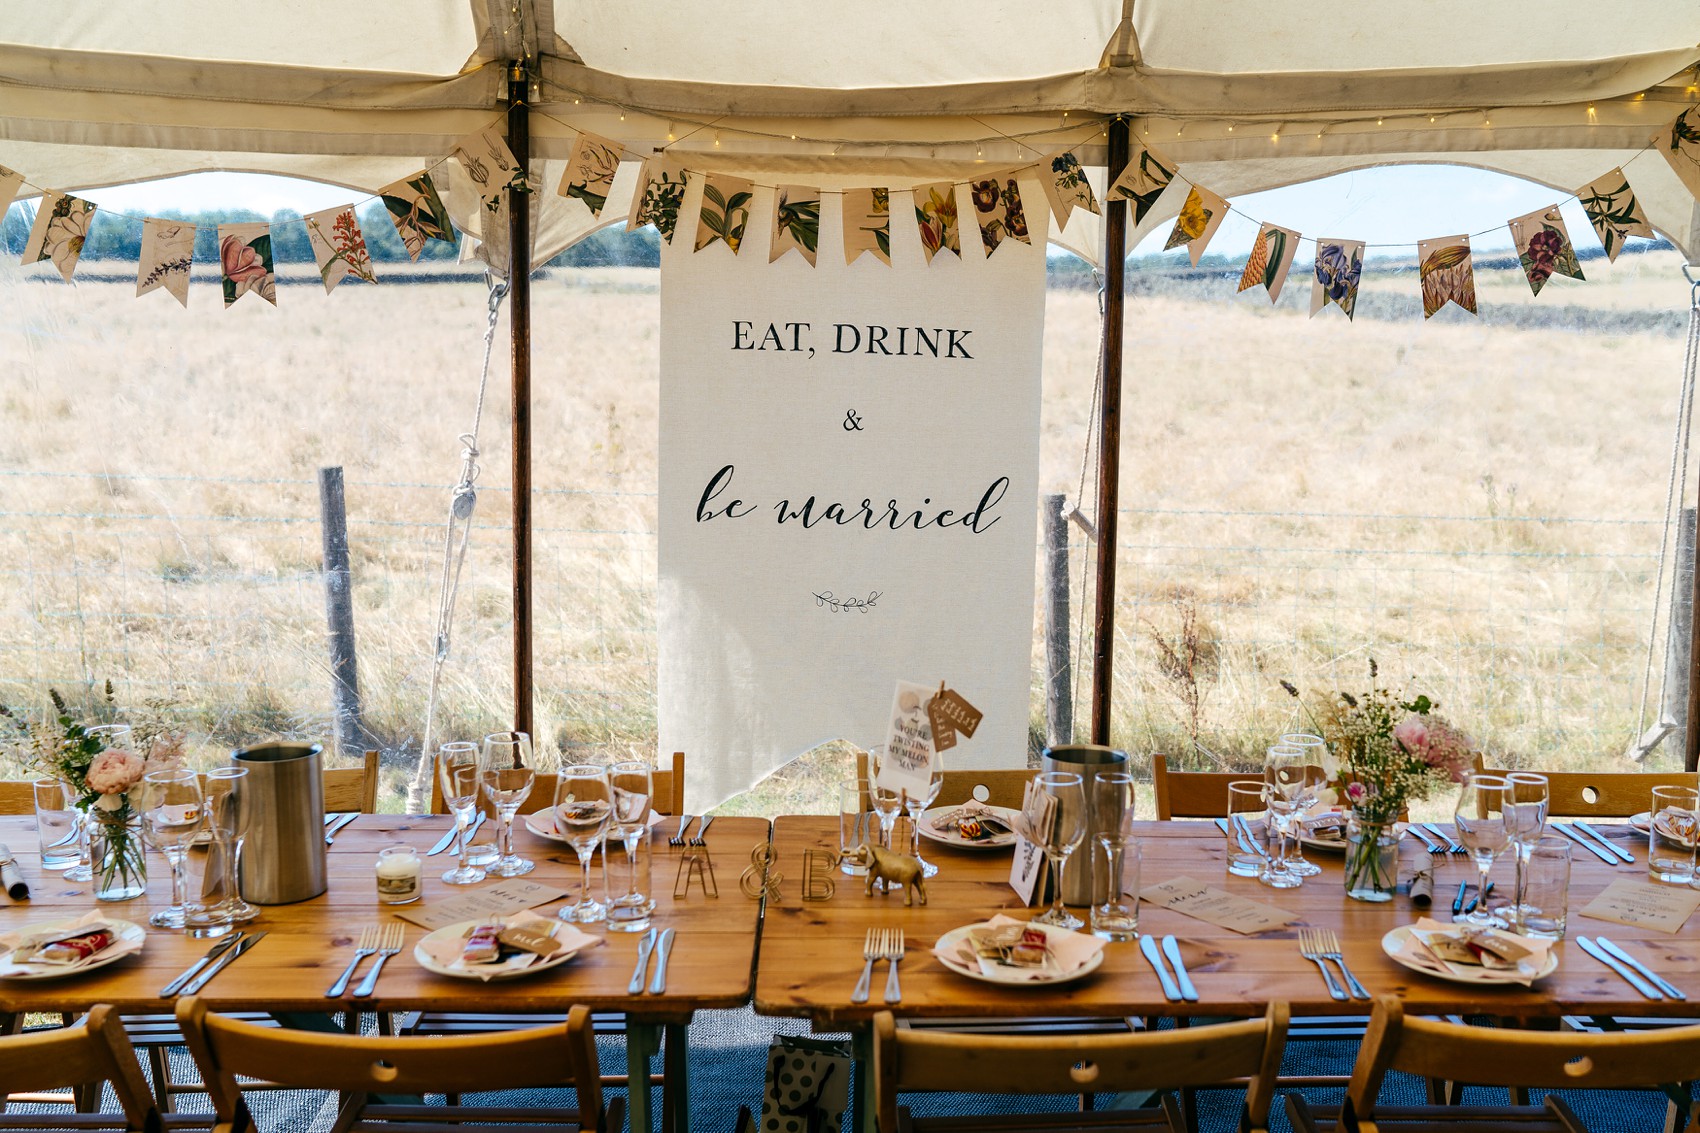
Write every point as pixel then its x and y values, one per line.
pixel 309 943
pixel 811 951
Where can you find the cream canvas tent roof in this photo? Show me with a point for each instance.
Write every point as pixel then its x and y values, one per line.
pixel 1245 94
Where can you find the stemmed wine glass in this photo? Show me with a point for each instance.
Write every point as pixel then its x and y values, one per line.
pixel 171 805
pixel 884 792
pixel 458 775
pixel 1480 821
pixel 506 776
pixel 1318 748
pixel 1293 775
pixel 630 785
pixel 584 806
pixel 914 803
pixel 1061 838
pixel 1525 822
pixel 108 736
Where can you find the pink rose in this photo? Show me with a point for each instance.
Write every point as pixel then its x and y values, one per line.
pixel 1356 792
pixel 1412 734
pixel 114 771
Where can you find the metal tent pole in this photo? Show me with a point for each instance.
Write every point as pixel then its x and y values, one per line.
pixel 519 326
pixel 1109 438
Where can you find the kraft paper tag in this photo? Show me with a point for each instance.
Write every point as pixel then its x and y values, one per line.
pixel 949 714
pixel 491 902
pixel 1643 904
pixel 529 940
pixel 1218 906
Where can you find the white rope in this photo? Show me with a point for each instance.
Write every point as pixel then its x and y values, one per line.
pixel 457 536
pixel 1079 499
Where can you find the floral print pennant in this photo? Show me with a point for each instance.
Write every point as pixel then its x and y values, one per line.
pixel 418 212
pixel 867 224
pixel 491 165
pixel 997 208
pixel 338 247
pixel 1270 260
pixel 1339 267
pixel 61 226
pixel 245 258
pixel 725 211
pixel 1066 187
pixel 1200 217
pixel 659 199
pixel 1543 247
pixel 10 183
pixel 1680 144
pixel 1147 174
pixel 796 222
pixel 168 250
pixel 1444 264
pixel 935 217
pixel 590 171
pixel 1613 211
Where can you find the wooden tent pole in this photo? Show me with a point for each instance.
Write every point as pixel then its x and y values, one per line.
pixel 1109 437
pixel 519 327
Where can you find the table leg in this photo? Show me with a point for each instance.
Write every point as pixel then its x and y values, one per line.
pixel 642 1041
pixel 675 1094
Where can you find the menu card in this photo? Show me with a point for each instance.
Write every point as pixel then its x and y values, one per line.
pixel 1643 904
pixel 1030 866
pixel 498 900
pixel 1198 899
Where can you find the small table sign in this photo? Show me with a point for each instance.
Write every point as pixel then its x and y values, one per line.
pixel 1643 904
pixel 498 900
pixel 1218 906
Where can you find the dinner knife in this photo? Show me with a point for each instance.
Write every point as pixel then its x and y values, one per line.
pixel 1172 949
pixel 1603 840
pixel 213 953
pixel 222 962
pixel 1635 981
pixel 1242 831
pixel 1585 843
pixel 1148 945
pixel 663 949
pixel 333 828
pixel 448 839
pixel 645 946
pixel 1663 984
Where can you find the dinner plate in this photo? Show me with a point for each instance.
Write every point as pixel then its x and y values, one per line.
pixel 456 932
pixel 1643 821
pixel 949 944
pixel 127 932
pixel 542 824
pixel 1394 941
pixel 952 838
pixel 1338 845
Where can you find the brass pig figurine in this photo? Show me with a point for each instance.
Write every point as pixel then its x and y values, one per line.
pixel 899 870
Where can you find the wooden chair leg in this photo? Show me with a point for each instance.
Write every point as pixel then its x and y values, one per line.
pixel 160 1067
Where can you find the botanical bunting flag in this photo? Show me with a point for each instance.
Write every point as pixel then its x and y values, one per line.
pixel 61 226
pixel 1543 247
pixel 590 171
pixel 867 224
pixel 490 164
pixel 338 246
pixel 1339 266
pixel 1200 217
pixel 796 221
pixel 1270 260
pixel 1066 186
pixel 1613 211
pixel 660 197
pixel 1444 264
pixel 245 256
pixel 935 216
pixel 1680 143
pixel 168 248
pixel 725 211
pixel 997 207
pixel 1147 174
pixel 418 212
pixel 10 183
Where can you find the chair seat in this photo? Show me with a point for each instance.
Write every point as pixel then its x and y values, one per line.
pixel 1091 1121
pixel 1554 1116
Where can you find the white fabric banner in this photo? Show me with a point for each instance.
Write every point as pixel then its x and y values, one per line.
pixel 848 492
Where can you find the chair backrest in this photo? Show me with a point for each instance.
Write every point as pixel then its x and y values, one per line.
pixel 1001 787
pixel 1190 794
pixel 17 796
pixel 669 784
pixel 1604 794
pixel 558 1055
pixel 353 788
pixel 92 1050
pixel 1063 1064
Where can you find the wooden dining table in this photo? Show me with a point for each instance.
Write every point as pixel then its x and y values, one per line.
pixel 309 943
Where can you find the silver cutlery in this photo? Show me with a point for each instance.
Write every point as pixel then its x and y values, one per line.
pixel 1310 949
pixel 1172 949
pixel 1659 981
pixel 66 840
pixel 213 953
pixel 702 829
pixel 646 945
pixel 1605 958
pixel 450 838
pixel 1148 946
pixel 873 945
pixel 663 949
pixel 388 946
pixel 1248 842
pixel 333 826
pixel 1586 844
pixel 684 824
pixel 1452 846
pixel 332 815
pixel 1330 949
pixel 367 945
pixel 1426 839
pixel 222 963
pixel 893 953
pixel 1603 840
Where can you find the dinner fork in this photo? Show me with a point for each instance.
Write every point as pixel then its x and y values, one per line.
pixel 893 953
pixel 1330 949
pixel 872 948
pixel 367 946
pixel 702 830
pixel 684 825
pixel 389 946
pixel 1310 950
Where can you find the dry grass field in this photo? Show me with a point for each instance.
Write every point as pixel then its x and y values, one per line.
pixel 1479 507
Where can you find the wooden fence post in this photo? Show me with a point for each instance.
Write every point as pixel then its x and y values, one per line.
pixel 339 613
pixel 1059 699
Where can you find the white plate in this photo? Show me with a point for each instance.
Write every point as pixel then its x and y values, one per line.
pixel 951 838
pixel 1395 940
pixel 542 824
pixel 948 944
pixel 457 931
pixel 1338 846
pixel 1643 821
pixel 126 932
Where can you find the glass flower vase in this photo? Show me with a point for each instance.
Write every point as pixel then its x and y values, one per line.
pixel 1372 858
pixel 117 854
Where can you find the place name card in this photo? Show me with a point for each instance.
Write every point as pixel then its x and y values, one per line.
pixel 1229 910
pixel 499 900
pixel 1643 904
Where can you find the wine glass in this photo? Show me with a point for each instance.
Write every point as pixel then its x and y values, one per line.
pixel 1525 822
pixel 1067 829
pixel 584 806
pixel 108 736
pixel 885 793
pixel 171 806
pixel 631 787
pixel 506 776
pixel 1317 748
pixel 1480 821
pixel 1287 771
pixel 458 775
pixel 916 802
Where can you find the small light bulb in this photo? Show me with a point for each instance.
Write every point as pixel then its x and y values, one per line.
pixel 1230 127
pixel 1274 137
pixel 1378 121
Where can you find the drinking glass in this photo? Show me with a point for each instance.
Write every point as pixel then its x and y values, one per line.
pixel 506 776
pixel 1670 847
pixel 1293 777
pixel 1247 825
pixel 220 904
pixel 853 825
pixel 171 807
pixel 1548 890
pixel 1480 820
pixel 630 785
pixel 1114 850
pixel 584 806
pixel 458 776
pixel 56 824
pixel 1315 746
pixel 1067 829
pixel 914 804
pixel 883 791
pixel 1525 822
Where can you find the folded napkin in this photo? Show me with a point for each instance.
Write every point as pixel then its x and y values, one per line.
pixel 445 948
pixel 1427 929
pixel 28 938
pixel 1069 952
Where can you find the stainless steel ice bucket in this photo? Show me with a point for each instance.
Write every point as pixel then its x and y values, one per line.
pixel 283 814
pixel 1085 760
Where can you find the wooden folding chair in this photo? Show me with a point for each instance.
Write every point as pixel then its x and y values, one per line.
pixel 1189 794
pixel 85 1054
pixel 668 782
pixel 1494 1056
pixel 353 788
pixel 1161 1060
pixel 1603 794
pixel 359 1067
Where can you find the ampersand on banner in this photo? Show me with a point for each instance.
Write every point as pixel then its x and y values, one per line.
pixel 852 422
